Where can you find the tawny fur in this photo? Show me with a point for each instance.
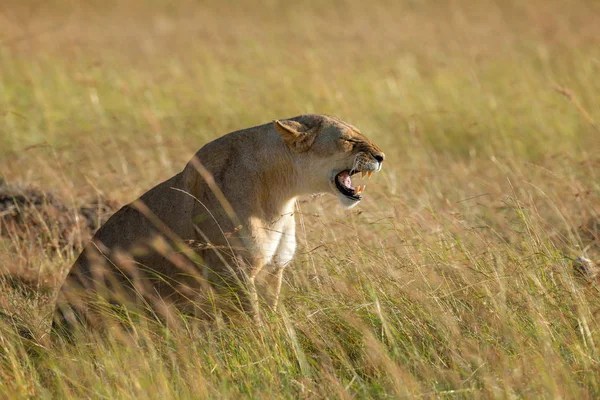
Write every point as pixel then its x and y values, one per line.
pixel 215 225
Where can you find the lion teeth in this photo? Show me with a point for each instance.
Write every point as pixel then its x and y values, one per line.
pixel 360 189
pixel 370 174
pixel 362 173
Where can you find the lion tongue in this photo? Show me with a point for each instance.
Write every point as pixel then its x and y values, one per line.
pixel 344 179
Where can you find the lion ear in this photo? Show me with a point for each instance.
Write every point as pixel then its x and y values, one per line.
pixel 297 136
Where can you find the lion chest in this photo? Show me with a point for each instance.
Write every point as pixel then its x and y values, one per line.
pixel 276 242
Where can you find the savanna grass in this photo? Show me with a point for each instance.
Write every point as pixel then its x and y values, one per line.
pixel 454 276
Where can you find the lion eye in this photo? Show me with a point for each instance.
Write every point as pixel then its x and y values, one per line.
pixel 349 143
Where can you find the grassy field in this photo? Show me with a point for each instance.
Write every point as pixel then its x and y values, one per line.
pixel 453 278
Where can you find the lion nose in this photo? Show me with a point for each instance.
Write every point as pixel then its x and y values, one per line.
pixel 379 157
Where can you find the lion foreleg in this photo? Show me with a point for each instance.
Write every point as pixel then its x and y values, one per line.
pixel 282 257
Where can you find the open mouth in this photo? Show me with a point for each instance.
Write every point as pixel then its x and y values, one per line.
pixel 343 182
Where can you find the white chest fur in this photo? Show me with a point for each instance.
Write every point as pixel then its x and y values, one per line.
pixel 279 239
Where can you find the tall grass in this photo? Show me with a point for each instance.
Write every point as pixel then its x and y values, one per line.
pixel 453 278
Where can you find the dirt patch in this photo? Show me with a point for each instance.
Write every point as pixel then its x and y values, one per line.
pixel 29 215
pixel 587 264
pixel 37 226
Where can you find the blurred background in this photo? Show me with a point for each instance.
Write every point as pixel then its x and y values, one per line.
pixel 89 80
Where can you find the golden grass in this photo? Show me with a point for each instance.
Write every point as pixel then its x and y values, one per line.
pixel 454 276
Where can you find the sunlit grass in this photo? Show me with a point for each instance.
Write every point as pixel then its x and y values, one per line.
pixel 452 278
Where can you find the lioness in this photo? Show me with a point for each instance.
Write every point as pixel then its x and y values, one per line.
pixel 217 223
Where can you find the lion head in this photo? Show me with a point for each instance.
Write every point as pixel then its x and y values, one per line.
pixel 327 152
